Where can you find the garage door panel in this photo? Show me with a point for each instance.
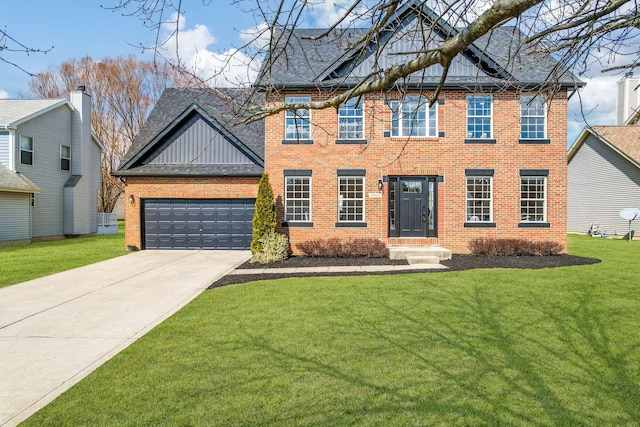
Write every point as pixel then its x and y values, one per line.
pixel 197 223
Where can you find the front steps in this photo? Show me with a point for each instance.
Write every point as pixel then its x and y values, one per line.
pixel 432 254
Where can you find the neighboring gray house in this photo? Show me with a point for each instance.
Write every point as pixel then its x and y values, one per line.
pixel 603 179
pixel 50 165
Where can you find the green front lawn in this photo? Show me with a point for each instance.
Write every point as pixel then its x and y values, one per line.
pixel 480 347
pixel 21 263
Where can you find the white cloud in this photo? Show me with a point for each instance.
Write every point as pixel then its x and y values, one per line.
pixel 594 104
pixel 257 37
pixel 4 94
pixel 190 48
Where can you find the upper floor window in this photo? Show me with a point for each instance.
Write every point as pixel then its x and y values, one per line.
pixel 298 122
pixel 533 198
pixel 413 117
pixel 351 119
pixel 532 117
pixel 479 116
pixel 297 200
pixel 26 150
pixel 65 157
pixel 479 200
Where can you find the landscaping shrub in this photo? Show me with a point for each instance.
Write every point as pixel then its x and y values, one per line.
pixel 514 247
pixel 264 217
pixel 275 247
pixel 334 247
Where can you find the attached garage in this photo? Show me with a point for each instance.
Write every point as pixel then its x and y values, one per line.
pixel 197 223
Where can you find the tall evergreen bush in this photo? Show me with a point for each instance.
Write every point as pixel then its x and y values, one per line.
pixel 264 217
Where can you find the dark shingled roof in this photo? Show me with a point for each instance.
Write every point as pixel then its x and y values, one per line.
pixel 503 58
pixel 173 103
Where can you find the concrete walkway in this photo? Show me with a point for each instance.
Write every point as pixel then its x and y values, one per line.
pixel 56 330
pixel 340 269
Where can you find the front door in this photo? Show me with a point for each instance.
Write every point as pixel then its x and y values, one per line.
pixel 412 206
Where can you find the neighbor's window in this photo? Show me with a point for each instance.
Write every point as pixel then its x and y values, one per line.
pixel 412 117
pixel 532 117
pixel 351 199
pixel 479 206
pixel 26 150
pixel 298 122
pixel 297 206
pixel 479 116
pixel 65 157
pixel 533 198
pixel 33 200
pixel 351 119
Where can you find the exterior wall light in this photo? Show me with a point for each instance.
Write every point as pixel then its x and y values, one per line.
pixel 380 184
pixel 132 199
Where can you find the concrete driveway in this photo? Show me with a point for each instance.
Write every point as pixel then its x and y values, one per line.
pixel 57 329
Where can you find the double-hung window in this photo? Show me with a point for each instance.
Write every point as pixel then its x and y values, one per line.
pixel 479 116
pixel 412 116
pixel 532 118
pixel 351 120
pixel 65 157
pixel 479 198
pixel 26 150
pixel 297 200
pixel 533 197
pixel 298 122
pixel 350 198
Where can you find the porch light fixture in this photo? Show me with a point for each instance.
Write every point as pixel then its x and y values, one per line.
pixel 380 184
pixel 131 199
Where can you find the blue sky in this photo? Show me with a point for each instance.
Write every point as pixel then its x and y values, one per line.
pixel 76 28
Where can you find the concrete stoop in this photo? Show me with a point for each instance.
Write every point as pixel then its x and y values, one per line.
pixel 420 254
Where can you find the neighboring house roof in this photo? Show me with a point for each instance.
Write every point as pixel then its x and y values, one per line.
pixel 623 139
pixel 15 182
pixel 302 58
pixel 174 112
pixel 16 111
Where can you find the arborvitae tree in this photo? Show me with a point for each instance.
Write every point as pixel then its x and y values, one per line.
pixel 264 217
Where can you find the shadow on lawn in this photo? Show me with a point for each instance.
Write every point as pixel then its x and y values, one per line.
pixel 554 365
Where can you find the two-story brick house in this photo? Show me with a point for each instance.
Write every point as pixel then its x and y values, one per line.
pixel 486 159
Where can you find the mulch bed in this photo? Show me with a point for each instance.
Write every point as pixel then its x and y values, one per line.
pixel 458 263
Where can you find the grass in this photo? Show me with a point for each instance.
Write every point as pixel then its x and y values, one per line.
pixel 26 262
pixel 479 347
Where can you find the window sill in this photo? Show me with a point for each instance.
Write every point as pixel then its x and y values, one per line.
pixel 351 224
pixel 297 141
pixel 480 225
pixel 534 225
pixel 294 224
pixel 352 141
pixel 534 141
pixel 480 141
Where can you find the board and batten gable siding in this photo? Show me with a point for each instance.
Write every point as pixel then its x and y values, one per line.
pixel 15 223
pixel 5 149
pixel 601 183
pixel 197 142
pixel 48 131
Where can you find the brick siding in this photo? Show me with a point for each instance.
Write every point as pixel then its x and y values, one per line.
pixel 178 188
pixel 446 156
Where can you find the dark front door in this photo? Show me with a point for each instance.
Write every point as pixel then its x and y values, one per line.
pixel 412 207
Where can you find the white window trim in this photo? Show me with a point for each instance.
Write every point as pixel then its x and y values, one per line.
pixel 490 136
pixel 286 199
pixel 294 115
pixel 20 150
pixel 428 133
pixel 65 158
pixel 364 199
pixel 363 120
pixel 544 200
pixel 466 188
pixel 544 106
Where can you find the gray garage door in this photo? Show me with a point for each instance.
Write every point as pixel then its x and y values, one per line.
pixel 197 223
